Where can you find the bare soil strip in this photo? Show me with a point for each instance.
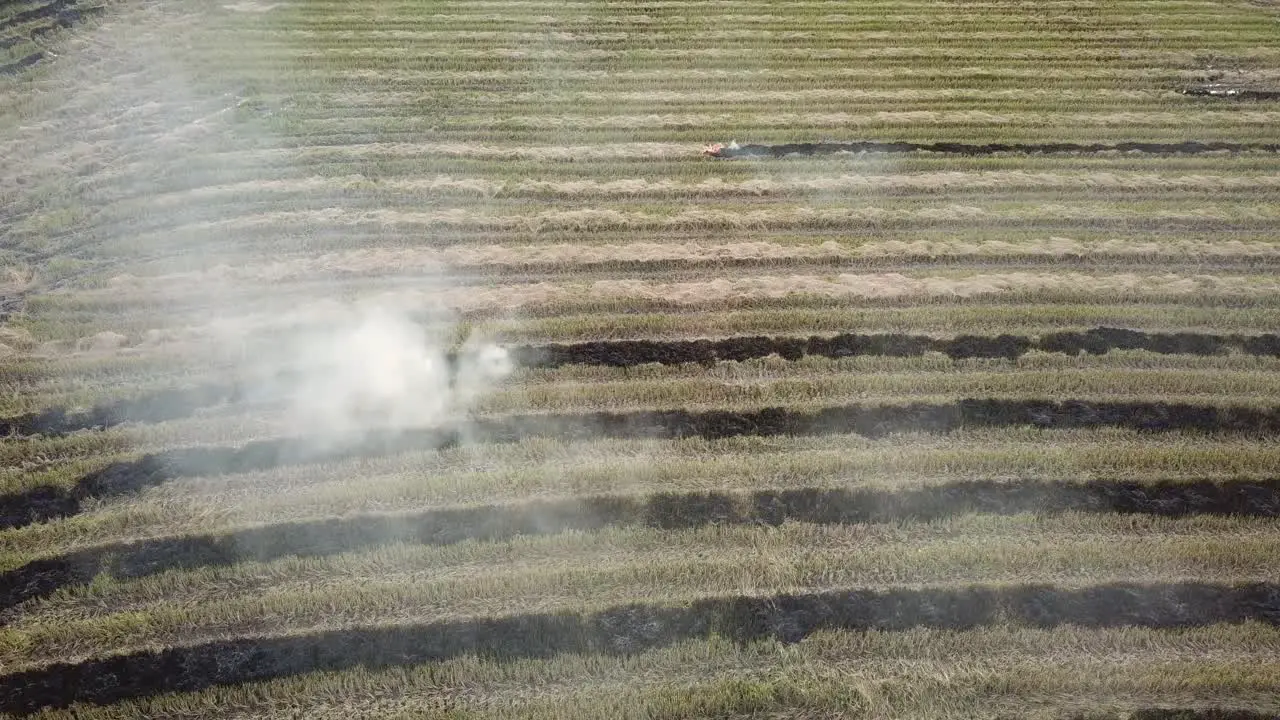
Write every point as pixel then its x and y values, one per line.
pixel 125 477
pixel 1182 148
pixel 174 403
pixel 630 629
pixel 317 538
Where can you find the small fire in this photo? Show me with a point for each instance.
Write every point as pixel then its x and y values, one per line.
pixel 717 149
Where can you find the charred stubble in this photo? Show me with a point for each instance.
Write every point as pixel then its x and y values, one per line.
pixel 128 477
pixel 631 629
pixel 317 538
pixel 174 403
pixel 952 148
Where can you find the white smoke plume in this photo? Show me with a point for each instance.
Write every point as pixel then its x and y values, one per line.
pixel 374 368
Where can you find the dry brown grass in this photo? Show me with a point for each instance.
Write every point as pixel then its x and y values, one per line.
pixel 715 291
pixel 887 76
pixel 1007 180
pixel 296 157
pixel 894 285
pixel 715 95
pixel 546 467
pixel 548 573
pixel 727 219
pixel 913 675
pixel 565 257
pixel 1262 118
pixel 559 153
pixel 311 305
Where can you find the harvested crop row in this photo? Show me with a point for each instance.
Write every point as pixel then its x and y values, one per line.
pixel 741 679
pixel 1183 148
pixel 317 538
pixel 630 629
pixel 554 260
pixel 549 468
pixel 402 209
pixel 469 57
pixel 977 318
pixel 201 346
pixel 1124 672
pixel 1131 375
pixel 720 95
pixel 467 170
pixel 951 183
pixel 824 11
pixel 123 478
pixel 170 404
pixel 613 165
pixel 21 64
pixel 516 41
pixel 542 467
pixel 54 8
pixel 545 299
pixel 407 584
pixel 1008 82
pixel 849 121
pixel 962 114
pixel 806 384
pixel 1239 126
pixel 762 215
pixel 1098 341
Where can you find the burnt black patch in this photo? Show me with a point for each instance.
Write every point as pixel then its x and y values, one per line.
pixel 1180 714
pixel 668 511
pixel 63 12
pixel 159 406
pixel 14 68
pixel 60 13
pixel 628 629
pixel 126 478
pixel 949 148
pixel 175 403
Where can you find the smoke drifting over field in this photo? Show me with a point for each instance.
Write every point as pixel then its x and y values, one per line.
pixel 326 513
pixel 370 366
pixel 339 368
